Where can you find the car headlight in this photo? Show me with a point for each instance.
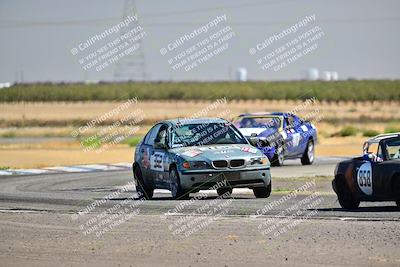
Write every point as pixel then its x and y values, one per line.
pixel 186 165
pixel 259 161
pixel 195 165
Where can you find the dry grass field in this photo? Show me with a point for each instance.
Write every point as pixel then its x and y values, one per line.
pixel 64 154
pixel 61 118
pixel 159 110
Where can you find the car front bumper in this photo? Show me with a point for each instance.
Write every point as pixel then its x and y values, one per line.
pixel 202 180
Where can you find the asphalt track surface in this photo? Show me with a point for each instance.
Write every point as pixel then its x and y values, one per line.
pixel 42 207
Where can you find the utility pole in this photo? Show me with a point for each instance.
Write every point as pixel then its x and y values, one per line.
pixel 131 67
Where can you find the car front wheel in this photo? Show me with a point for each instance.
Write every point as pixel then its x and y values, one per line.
pixel 345 197
pixel 308 156
pixel 278 158
pixel 176 190
pixel 262 192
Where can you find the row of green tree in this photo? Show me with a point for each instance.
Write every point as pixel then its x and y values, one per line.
pixel 360 90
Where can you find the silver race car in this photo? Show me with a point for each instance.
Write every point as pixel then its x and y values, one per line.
pixel 188 155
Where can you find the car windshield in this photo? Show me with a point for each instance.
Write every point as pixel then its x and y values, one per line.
pixel 393 149
pixel 258 122
pixel 206 134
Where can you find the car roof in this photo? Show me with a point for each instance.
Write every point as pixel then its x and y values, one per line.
pixel 378 138
pixel 284 114
pixel 186 121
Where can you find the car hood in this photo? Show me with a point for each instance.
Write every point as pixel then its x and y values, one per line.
pixel 217 152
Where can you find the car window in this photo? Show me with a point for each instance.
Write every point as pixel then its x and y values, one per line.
pixel 393 149
pixel 151 135
pixel 289 122
pixel 257 122
pixel 206 134
pixel 379 152
pixel 146 138
pixel 373 148
pixel 162 135
pixel 296 121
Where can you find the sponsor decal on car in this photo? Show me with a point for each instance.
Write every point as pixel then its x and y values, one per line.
pixel 145 160
pixel 218 148
pixel 250 150
pixel 192 153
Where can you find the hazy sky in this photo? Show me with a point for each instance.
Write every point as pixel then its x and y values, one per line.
pixel 361 37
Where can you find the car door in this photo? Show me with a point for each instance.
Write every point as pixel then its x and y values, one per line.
pixel 145 153
pixel 293 137
pixel 363 177
pixel 382 172
pixel 368 175
pixel 158 157
pixel 304 133
pixel 299 140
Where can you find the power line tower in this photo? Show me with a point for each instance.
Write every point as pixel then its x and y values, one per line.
pixel 131 67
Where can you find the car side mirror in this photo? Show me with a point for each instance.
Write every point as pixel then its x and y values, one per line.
pixel 254 140
pixel 253 135
pixel 159 145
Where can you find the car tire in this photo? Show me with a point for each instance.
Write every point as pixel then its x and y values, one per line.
pixel 308 155
pixel 262 192
pixel 176 190
pixel 225 190
pixel 396 187
pixel 345 197
pixel 142 189
pixel 278 158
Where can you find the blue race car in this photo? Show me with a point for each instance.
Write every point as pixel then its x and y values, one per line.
pixel 280 135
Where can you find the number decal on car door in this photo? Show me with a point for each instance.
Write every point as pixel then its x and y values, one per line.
pixel 364 178
pixel 156 161
pixel 296 139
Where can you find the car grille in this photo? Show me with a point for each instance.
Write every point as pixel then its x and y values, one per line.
pixel 220 164
pixel 236 163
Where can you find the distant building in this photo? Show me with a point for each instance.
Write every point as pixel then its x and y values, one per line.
pixel 5 85
pixel 326 76
pixel 241 74
pixel 334 76
pixel 91 82
pixel 312 74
